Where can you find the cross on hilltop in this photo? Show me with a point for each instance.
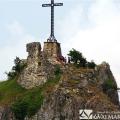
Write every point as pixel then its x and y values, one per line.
pixel 52 37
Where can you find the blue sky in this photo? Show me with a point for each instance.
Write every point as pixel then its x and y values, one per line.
pixel 90 26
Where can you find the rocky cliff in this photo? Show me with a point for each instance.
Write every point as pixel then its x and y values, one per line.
pixel 77 89
pixel 80 89
pixel 52 90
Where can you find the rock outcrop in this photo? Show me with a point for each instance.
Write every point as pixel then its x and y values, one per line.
pixel 6 113
pixel 107 82
pixel 78 88
pixel 38 69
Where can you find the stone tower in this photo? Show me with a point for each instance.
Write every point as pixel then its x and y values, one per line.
pixel 52 51
pixel 34 54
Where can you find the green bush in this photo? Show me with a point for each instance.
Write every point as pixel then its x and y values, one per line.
pixel 31 100
pixel 57 70
pixel 16 69
pixel 76 57
pixel 108 84
pixel 20 109
pixel 78 60
pixel 35 105
pixel 19 65
pixel 29 104
pixel 91 64
pixel 11 75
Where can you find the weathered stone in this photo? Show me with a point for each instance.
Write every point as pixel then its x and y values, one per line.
pixel 104 74
pixel 67 98
pixel 38 69
pixel 6 114
pixel 52 51
pixel 62 106
pixel 83 83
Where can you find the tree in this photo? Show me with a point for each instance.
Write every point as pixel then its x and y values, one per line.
pixel 91 64
pixel 16 69
pixel 11 75
pixel 77 58
pixel 83 62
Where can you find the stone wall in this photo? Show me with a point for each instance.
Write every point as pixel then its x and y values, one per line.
pixel 52 50
pixel 38 69
pixel 34 54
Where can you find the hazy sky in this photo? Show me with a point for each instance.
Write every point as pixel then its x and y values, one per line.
pixel 90 26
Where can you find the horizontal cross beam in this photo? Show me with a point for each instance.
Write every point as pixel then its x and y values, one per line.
pixel 51 5
pixel 58 4
pixel 46 5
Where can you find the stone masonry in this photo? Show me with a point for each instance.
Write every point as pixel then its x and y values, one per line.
pixel 52 51
pixel 38 69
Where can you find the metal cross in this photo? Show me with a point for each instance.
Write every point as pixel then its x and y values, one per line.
pixel 52 37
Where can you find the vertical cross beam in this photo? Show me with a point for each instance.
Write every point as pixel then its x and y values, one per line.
pixel 52 37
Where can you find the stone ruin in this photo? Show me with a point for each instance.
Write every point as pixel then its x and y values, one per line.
pixel 53 52
pixel 52 49
pixel 40 64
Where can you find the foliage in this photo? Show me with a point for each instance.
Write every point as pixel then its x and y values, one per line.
pixel 11 75
pixel 16 69
pixel 79 61
pixel 82 62
pixel 75 56
pixel 91 64
pixel 31 100
pixel 108 84
pixel 57 70
pixel 20 109
pixel 19 66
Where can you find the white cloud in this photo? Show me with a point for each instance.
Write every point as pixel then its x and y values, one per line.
pixel 70 24
pixel 15 47
pixel 15 28
pixel 101 40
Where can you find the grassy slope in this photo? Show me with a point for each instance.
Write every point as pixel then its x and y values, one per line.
pixel 11 92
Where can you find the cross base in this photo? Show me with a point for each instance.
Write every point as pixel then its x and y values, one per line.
pixel 51 39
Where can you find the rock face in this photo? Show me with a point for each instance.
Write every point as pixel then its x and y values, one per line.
pixel 107 82
pixel 38 69
pixel 6 114
pixel 80 89
pixel 40 64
